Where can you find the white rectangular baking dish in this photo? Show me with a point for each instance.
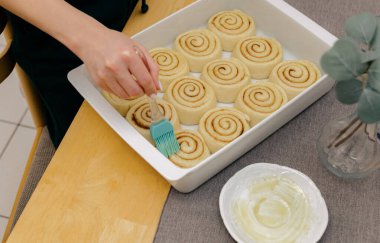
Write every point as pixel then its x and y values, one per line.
pixel 300 37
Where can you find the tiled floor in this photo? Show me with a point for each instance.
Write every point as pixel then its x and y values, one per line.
pixel 16 137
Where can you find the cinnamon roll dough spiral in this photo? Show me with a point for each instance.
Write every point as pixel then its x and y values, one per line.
pixel 227 77
pixel 139 116
pixel 259 100
pixel 121 105
pixel 294 76
pixel 172 65
pixel 221 126
pixel 231 26
pixel 192 150
pixel 191 97
pixel 198 47
pixel 260 54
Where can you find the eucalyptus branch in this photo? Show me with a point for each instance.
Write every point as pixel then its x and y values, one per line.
pixel 364 79
pixel 354 62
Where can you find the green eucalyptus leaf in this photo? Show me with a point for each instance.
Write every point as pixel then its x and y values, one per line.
pixel 348 91
pixel 374 75
pixel 375 44
pixel 369 106
pixel 343 61
pixel 361 27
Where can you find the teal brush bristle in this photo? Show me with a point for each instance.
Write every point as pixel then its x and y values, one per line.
pixel 163 135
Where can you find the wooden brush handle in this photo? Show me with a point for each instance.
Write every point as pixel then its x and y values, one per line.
pixel 156 114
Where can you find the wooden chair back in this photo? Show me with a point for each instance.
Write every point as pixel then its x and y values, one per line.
pixel 7 62
pixel 7 65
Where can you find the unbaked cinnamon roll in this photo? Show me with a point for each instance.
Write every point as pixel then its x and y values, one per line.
pixel 198 47
pixel 227 77
pixel 192 151
pixel 231 26
pixel 259 100
pixel 139 116
pixel 191 97
pixel 121 105
pixel 295 76
pixel 172 65
pixel 221 126
pixel 260 54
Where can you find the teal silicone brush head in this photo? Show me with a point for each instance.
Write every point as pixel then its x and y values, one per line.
pixel 163 135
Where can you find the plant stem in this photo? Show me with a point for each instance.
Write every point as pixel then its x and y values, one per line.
pixel 343 132
pixel 363 78
pixel 370 130
pixel 349 135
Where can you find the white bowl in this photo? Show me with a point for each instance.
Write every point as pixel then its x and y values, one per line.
pixel 242 179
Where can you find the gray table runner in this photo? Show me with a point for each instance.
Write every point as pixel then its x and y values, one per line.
pixel 354 206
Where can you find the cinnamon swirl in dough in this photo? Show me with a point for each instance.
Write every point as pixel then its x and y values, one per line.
pixel 121 105
pixel 139 116
pixel 259 100
pixel 231 26
pixel 192 150
pixel 227 77
pixel 221 126
pixel 198 47
pixel 172 65
pixel 191 97
pixel 295 76
pixel 260 54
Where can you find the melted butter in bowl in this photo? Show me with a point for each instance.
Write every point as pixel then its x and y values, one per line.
pixel 272 208
pixel 272 203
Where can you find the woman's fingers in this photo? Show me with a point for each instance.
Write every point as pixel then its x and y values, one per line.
pixel 119 70
pixel 154 69
pixel 106 81
pixel 105 88
pixel 125 79
pixel 142 75
pixel 117 89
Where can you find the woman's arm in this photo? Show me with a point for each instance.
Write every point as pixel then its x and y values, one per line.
pixel 108 55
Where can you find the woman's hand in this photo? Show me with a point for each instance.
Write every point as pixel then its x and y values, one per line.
pixel 120 65
pixel 110 56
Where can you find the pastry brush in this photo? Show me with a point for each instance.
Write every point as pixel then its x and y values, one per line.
pixel 161 130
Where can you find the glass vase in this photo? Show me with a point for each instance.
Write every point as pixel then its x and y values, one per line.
pixel 350 148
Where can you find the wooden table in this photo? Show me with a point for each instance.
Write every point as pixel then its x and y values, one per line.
pixel 96 188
